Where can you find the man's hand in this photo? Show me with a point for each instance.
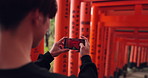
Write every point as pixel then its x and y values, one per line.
pixel 84 50
pixel 58 48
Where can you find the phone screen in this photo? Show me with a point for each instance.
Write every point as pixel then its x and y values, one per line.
pixel 73 44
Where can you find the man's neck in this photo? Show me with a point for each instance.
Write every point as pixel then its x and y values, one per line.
pixel 15 51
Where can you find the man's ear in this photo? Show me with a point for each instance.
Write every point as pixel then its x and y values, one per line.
pixel 37 18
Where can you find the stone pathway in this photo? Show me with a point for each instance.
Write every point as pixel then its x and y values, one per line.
pixel 137 73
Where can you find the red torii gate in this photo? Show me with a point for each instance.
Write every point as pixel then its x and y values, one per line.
pixel 76 17
pixel 117 14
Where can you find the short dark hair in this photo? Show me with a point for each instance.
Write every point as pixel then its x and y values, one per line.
pixel 12 12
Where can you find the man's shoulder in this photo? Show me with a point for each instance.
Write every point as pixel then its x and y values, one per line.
pixel 44 73
pixel 38 72
pixel 29 71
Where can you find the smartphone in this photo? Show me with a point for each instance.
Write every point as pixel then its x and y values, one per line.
pixel 73 44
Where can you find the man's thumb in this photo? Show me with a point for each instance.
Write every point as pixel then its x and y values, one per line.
pixel 81 45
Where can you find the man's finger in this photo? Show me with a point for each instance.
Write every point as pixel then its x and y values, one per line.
pixel 61 40
pixel 81 45
pixel 86 40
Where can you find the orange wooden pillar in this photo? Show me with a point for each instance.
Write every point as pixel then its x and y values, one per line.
pixel 74 33
pixel 123 54
pixel 139 57
pixel 146 56
pixel 99 54
pixel 61 30
pixel 113 49
pixel 109 53
pixel 142 59
pixel 126 58
pixel 132 56
pixel 104 47
pixel 38 50
pixel 118 56
pixel 85 19
pixel 135 56
pixel 103 53
pixel 126 54
pixel 93 32
pixel 115 57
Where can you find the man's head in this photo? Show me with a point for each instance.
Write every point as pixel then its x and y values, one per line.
pixel 13 12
